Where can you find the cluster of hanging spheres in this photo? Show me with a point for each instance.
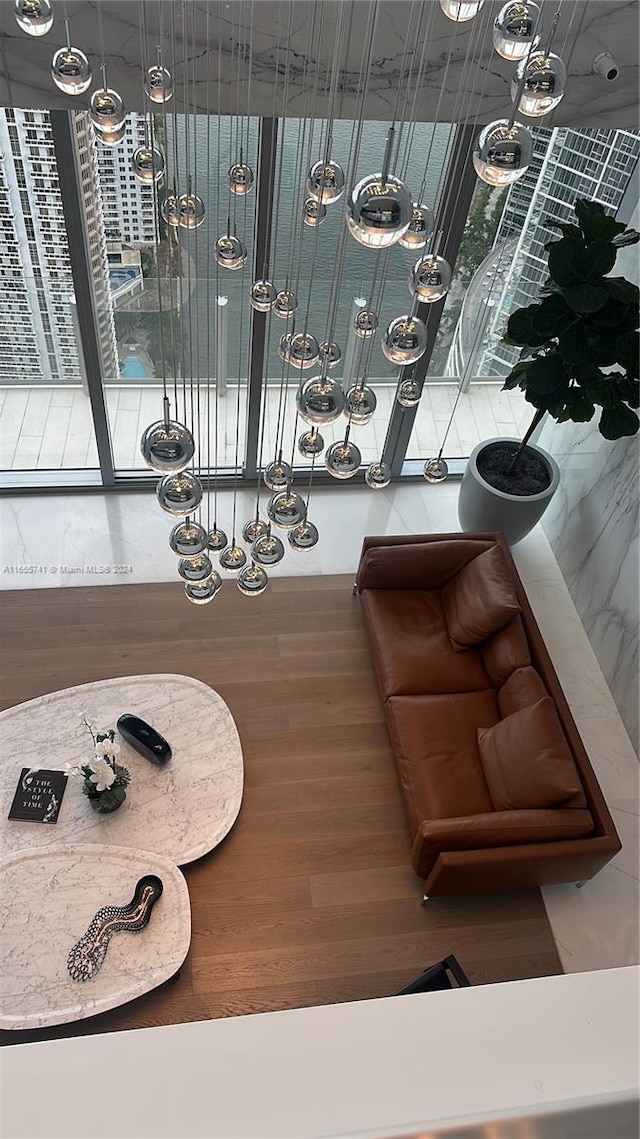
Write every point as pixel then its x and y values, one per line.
pixel 380 212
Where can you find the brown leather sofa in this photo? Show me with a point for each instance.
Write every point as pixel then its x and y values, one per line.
pixel 498 789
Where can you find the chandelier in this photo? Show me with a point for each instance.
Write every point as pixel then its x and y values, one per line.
pixel 380 212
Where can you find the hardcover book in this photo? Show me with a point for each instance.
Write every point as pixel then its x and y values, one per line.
pixel 38 796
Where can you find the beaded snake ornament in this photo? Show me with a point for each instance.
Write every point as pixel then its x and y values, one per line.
pixel 89 952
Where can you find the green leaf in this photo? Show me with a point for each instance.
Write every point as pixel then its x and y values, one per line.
pixel 622 290
pixel 520 327
pixel 601 257
pixel 515 375
pixel 585 297
pixel 573 346
pixel 618 421
pixel 614 315
pixel 552 316
pixel 564 265
pixel 601 390
pixel 627 346
pixel 593 220
pixel 604 228
pixel 119 793
pixel 568 230
pixel 547 374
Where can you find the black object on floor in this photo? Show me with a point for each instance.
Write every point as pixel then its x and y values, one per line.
pixel 436 977
pixel 144 739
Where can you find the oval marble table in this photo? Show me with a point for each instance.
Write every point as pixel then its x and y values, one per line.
pixel 180 811
pixel 47 900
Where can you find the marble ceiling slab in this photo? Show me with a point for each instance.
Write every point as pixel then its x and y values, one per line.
pixel 275 57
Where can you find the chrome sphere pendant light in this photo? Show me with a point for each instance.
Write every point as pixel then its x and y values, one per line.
pixel 253 529
pixel 502 152
pixel 70 68
pixel 330 353
pixel 188 539
pixel 303 350
pixel 325 182
pixel 360 404
pixel 230 252
pixel 216 539
pixel 107 108
pixel 420 228
pixel 179 494
pixel 461 10
pixel 303 537
pixel 310 443
pixel 409 393
pixel 262 295
pixel 342 459
pixel 286 509
pixel 378 475
pixel 170 209
pixel 430 278
pixel 405 339
pixel 542 81
pixel 111 138
pixel 284 347
pixel 233 558
pixel 515 29
pixel 320 400
pixel 158 83
pixel 190 209
pixel 252 580
pixel 35 17
pixel 313 212
pixel 197 568
pixel 379 208
pixel 148 163
pixel 285 304
pixel 167 446
pixel 240 178
pixel 365 323
pixel 435 470
pixel 201 592
pixel 277 475
pixel 268 550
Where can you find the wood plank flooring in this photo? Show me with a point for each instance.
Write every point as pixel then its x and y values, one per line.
pixel 311 898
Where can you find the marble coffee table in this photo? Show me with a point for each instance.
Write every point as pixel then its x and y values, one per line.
pixel 47 900
pixel 180 811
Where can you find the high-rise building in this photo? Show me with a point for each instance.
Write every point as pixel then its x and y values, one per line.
pixel 38 338
pixel 127 204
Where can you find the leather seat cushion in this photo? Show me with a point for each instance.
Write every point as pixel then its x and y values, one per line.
pixel 480 599
pixel 436 751
pixel 411 647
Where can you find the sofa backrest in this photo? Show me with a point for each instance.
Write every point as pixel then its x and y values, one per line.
pixel 416 565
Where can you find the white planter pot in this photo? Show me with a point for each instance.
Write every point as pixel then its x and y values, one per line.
pixel 482 507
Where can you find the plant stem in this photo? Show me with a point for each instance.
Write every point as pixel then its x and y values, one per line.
pixel 538 417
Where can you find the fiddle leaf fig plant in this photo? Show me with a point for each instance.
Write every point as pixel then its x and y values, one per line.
pixel 579 342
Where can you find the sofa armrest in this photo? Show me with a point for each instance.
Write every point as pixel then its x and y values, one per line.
pixel 495 829
pixel 417 563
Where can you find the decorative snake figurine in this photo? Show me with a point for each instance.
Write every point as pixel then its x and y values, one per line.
pixel 89 952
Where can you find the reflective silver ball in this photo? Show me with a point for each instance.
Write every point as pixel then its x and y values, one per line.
pixel 330 352
pixel 408 393
pixel 310 443
pixel 461 10
pixel 188 539
pixel 303 537
pixel 179 494
pixel 420 227
pixel 71 71
pixel 514 29
pixel 303 350
pixel 284 347
pixel 148 163
pixel 170 210
pixel 430 278
pixel 342 460
pixel 378 475
pixel 285 304
pixel 262 295
pixel 405 340
pixel 435 470
pixel 365 323
pixel 198 568
pixel 158 84
pixel 360 405
pixel 544 87
pixel 313 212
pixel 286 509
pixel 233 558
pixel 252 580
pixel 268 550
pixel 200 592
pixel 35 17
pixel 277 475
pixel 253 529
pixel 191 211
pixel 502 153
pixel 230 252
pixel 107 110
pixel 325 182
pixel 110 138
pixel 320 399
pixel 168 447
pixel 217 539
pixel 379 213
pixel 240 178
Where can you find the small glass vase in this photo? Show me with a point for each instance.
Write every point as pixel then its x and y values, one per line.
pixel 105 802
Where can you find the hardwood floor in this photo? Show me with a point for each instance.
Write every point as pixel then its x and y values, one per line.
pixel 311 899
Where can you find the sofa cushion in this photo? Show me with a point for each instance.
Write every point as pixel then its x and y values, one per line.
pixel 526 760
pixel 523 687
pixel 505 651
pixel 435 747
pixel 411 648
pixel 480 599
pixel 416 565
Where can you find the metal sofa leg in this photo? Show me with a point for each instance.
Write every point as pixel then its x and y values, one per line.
pixel 579 885
pixel 425 900
pixel 355 589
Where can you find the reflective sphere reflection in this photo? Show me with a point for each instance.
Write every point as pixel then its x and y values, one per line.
pixel 326 182
pixel 310 443
pixel 514 29
pixel 240 178
pixel 252 580
pixel 286 509
pixel 285 304
pixel 461 10
pixel 167 447
pixel 267 551
pixel 200 592
pixel 313 212
pixel 253 530
pixel 420 227
pixel 405 340
pixel 107 110
pixel 342 459
pixel 360 405
pixel 179 494
pixel 277 474
pixel 408 393
pixel 378 475
pixel 233 558
pixel 198 568
pixel 545 82
pixel 71 71
pixel 430 278
pixel 502 152
pixel 435 470
pixel 216 539
pixel 365 323
pixel 158 84
pixel 35 17
pixel 188 539
pixel 111 138
pixel 148 163
pixel 284 347
pixel 230 252
pixel 320 399
pixel 379 213
pixel 191 211
pixel 331 352
pixel 262 295
pixel 303 537
pixel 170 210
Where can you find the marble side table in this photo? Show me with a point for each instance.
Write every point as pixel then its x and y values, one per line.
pixel 180 811
pixel 47 900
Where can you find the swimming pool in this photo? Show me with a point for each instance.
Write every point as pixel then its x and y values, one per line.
pixel 133 369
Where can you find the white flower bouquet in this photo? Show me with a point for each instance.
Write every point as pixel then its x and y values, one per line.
pixel 104 779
